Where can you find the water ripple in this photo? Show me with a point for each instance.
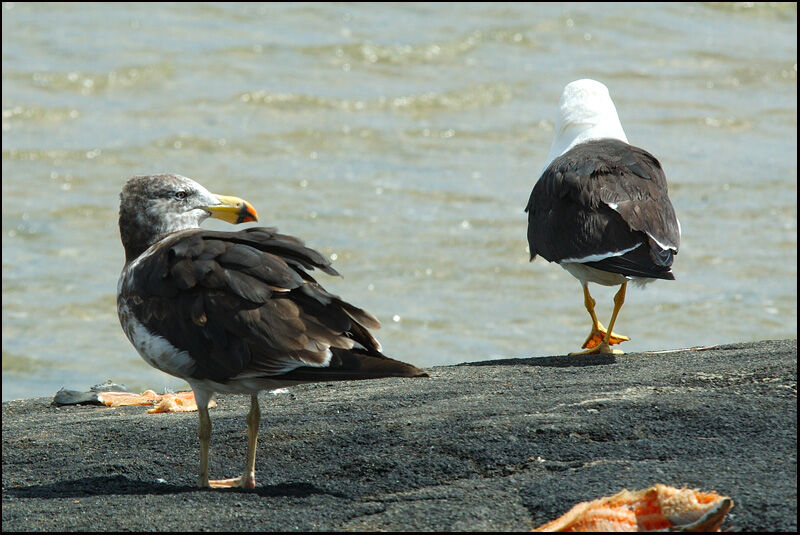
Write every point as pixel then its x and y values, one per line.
pixel 88 83
pixel 25 114
pixel 474 96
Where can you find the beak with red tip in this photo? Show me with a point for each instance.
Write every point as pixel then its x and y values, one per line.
pixel 233 210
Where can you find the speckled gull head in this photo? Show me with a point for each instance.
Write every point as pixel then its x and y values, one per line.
pixel 585 112
pixel 153 206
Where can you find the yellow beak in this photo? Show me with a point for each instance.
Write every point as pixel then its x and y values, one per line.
pixel 233 210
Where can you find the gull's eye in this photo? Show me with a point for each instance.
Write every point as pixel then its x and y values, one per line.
pixel 180 195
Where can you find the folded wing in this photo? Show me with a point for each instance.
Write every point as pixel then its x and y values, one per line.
pixel 243 304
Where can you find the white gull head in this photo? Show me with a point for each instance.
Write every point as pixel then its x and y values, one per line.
pixel 585 112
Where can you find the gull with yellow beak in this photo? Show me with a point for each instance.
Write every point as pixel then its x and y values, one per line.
pixel 235 312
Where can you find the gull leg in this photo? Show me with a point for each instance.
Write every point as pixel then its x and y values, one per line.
pixel 598 332
pixel 600 340
pixel 619 300
pixel 204 434
pixel 253 418
pixel 248 479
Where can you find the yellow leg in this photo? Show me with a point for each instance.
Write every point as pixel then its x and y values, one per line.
pixel 598 333
pixel 589 303
pixel 248 479
pixel 619 300
pixel 600 340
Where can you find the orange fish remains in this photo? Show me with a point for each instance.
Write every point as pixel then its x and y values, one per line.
pixel 658 508
pixel 180 402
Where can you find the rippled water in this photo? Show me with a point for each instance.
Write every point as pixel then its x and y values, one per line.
pixel 402 141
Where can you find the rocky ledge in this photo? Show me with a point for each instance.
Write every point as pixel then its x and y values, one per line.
pixel 495 445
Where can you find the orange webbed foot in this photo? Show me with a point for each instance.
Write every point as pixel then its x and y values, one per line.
pixel 598 334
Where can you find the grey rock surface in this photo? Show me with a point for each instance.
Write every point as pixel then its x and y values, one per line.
pixel 496 445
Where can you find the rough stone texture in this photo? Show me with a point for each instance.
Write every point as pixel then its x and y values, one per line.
pixel 497 445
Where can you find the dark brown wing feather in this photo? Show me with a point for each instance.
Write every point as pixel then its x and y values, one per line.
pixel 352 364
pixel 244 303
pixel 604 196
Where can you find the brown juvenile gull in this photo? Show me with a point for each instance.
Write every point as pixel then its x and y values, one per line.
pixel 233 312
pixel 600 208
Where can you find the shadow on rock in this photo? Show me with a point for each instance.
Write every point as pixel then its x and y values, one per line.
pixel 560 361
pixel 97 486
pixel 121 485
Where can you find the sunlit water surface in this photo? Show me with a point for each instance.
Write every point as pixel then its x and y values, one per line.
pixel 402 141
